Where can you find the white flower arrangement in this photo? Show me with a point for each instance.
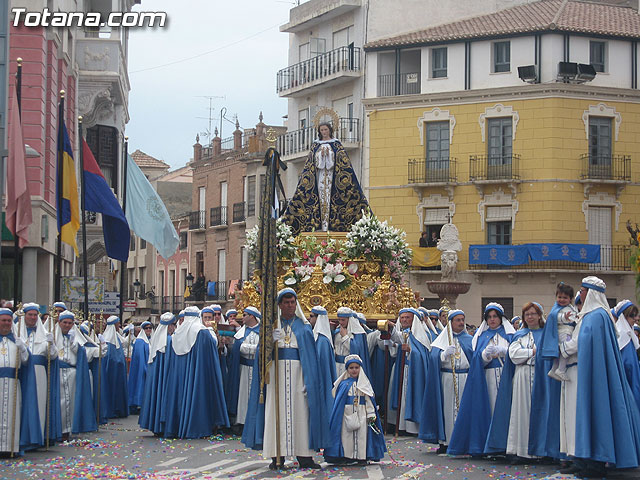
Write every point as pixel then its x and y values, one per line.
pixel 333 273
pixel 284 240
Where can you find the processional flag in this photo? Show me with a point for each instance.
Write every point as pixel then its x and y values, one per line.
pixel 98 197
pixel 67 192
pixel 18 197
pixel 146 213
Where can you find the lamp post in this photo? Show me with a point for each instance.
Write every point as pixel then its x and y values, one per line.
pixel 189 280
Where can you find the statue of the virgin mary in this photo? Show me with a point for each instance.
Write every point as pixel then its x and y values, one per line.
pixel 328 196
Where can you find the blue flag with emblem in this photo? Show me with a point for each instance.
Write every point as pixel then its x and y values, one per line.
pixel 146 214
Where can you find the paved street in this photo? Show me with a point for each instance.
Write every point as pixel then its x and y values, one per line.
pixel 123 451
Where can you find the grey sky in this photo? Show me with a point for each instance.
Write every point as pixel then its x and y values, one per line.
pixel 164 102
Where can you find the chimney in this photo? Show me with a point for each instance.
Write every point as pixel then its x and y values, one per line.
pixel 197 149
pixel 217 143
pixel 237 137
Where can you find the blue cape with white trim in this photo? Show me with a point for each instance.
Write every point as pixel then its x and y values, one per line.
pixel 137 372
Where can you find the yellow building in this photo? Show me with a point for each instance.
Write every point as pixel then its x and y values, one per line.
pixel 547 153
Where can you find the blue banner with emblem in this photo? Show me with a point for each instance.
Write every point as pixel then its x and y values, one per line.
pixel 498 254
pixel 571 252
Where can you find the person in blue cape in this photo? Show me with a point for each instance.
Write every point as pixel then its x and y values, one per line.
pixel 241 365
pixel 154 395
pixel 409 373
pixel 356 431
pixel 350 338
pixel 96 349
pixel 304 429
pixel 78 414
pixel 195 403
pixel 627 314
pixel 114 372
pixel 432 332
pixel 434 316
pixel 138 367
pixel 383 354
pixel 449 361
pixel 328 196
pixel 509 430
pixel 544 430
pixel 326 355
pixel 20 419
pixel 607 421
pixel 43 355
pixel 490 344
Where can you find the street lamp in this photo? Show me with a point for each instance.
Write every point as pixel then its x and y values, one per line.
pixel 136 288
pixel 189 280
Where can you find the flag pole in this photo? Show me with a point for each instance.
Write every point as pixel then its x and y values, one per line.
pixel 123 265
pixel 59 180
pixel 84 223
pixel 16 238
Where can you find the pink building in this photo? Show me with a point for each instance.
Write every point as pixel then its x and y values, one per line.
pixel 172 273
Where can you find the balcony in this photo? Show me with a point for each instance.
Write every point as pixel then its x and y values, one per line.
pixel 313 13
pixel 218 216
pixel 239 210
pixel 605 168
pixel 393 84
pixel 432 171
pixel 197 220
pixel 296 144
pixel 156 304
pixel 171 303
pixel 330 68
pixel 613 258
pixel 494 168
pixel 217 291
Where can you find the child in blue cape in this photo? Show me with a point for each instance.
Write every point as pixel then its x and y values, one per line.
pixel 356 433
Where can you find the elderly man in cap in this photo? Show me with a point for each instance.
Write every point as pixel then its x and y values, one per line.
pixel 153 402
pixel 43 355
pixel 241 365
pixel 21 416
pixel 303 422
pixel 114 371
pixel 138 367
pixel 76 401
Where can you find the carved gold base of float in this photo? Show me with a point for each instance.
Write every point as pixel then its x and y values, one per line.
pixel 384 303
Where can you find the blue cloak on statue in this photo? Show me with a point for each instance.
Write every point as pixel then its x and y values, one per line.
pixel 233 372
pixel 474 417
pixel 375 441
pixel 499 428
pixel 607 417
pixel 416 381
pixel 544 424
pixel 84 415
pixel 155 392
pixel 327 368
pixel 195 403
pixel 114 371
pixel 137 373
pixel 432 420
pixel 253 433
pixel 347 199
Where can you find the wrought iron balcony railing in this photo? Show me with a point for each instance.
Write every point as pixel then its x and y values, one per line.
pixel 606 167
pixel 393 84
pixel 197 220
pixel 297 141
pixel 343 59
pixel 239 210
pixel 217 291
pixel 494 167
pixel 218 216
pixel 432 170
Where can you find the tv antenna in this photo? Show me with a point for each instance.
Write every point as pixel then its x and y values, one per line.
pixel 208 132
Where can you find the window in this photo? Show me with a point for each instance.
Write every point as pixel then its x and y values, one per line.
pixel 251 196
pixel 222 265
pixel 317 46
pixel 500 141
pixel 502 57
pixel 439 62
pixel 142 272
pixel 343 37
pixel 143 244
pixel 437 141
pixel 303 52
pixel 499 233
pixel 199 264
pixel 600 139
pixel 132 242
pixel 103 142
pixel 597 55
pixel 183 240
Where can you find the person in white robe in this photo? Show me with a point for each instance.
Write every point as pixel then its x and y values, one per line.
pixel 11 349
pixel 249 335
